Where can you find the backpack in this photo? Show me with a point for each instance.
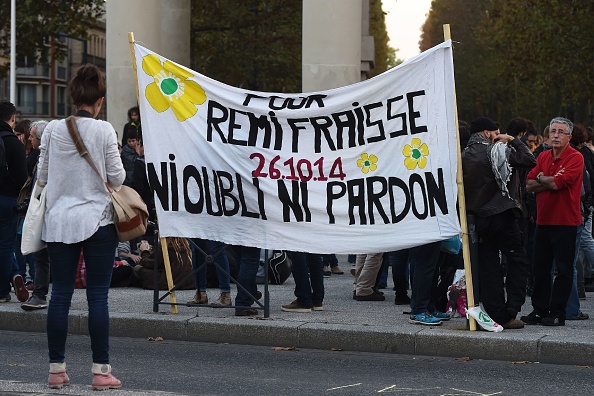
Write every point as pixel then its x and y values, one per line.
pixel 279 269
pixel 3 165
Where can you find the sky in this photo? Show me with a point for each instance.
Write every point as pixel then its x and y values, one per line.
pixel 404 20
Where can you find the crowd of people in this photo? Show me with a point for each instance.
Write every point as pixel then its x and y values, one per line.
pixel 528 199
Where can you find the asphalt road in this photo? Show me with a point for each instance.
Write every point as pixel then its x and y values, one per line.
pixel 192 368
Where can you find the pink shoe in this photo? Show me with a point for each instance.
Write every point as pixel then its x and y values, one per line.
pixel 57 376
pixel 102 378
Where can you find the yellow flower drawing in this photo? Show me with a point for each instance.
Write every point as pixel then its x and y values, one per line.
pixel 172 88
pixel 416 154
pixel 367 163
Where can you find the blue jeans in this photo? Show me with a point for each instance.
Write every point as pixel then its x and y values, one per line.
pixel 423 263
pixel 8 229
pixel 223 265
pixel 308 273
pixel 23 261
pixel 398 260
pixel 587 248
pixel 99 252
pixel 248 259
pixel 573 303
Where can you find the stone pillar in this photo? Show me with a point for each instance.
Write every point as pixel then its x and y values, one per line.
pixel 161 26
pixel 175 31
pixel 331 54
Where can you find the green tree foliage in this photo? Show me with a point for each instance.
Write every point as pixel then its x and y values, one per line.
pixel 256 44
pixel 546 57
pixel 473 66
pixel 385 56
pixel 39 24
pixel 250 44
pixel 525 58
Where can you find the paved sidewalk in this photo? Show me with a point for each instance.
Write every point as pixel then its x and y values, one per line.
pixel 370 326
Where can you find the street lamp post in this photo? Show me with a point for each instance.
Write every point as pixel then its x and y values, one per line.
pixel 13 51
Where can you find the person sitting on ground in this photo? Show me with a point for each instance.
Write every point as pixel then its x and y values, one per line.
pixel 180 260
pixel 124 252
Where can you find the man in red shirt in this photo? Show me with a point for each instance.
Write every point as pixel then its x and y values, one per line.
pixel 557 181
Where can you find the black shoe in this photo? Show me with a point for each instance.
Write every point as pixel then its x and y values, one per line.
pixel 552 321
pixel 35 302
pixel 371 297
pixel 512 312
pixel 532 319
pixel 402 300
pixel 246 312
pixel 530 289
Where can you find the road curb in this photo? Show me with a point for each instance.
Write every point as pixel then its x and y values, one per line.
pixel 518 345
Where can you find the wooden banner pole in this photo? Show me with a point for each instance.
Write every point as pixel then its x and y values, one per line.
pixel 163 241
pixel 470 302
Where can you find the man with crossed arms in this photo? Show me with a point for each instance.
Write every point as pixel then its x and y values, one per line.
pixel 557 181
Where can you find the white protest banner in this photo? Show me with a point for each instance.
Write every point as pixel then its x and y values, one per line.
pixel 364 168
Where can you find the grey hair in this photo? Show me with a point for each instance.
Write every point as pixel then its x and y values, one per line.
pixel 39 126
pixel 562 120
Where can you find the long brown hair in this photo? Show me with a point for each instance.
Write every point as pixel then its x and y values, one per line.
pixel 181 246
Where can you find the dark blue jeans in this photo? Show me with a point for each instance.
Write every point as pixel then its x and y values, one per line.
pixel 398 260
pixel 8 228
pixel 24 261
pixel 423 263
pixel 99 252
pixel 308 273
pixel 248 259
pixel 221 259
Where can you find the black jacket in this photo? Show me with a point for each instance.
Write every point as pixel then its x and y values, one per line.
pixel 17 165
pixel 483 195
pixel 141 185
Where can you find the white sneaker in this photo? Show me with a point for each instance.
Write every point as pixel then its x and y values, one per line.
pixel 483 319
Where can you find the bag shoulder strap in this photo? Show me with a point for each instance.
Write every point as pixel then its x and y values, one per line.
pixel 80 145
pixel 39 166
